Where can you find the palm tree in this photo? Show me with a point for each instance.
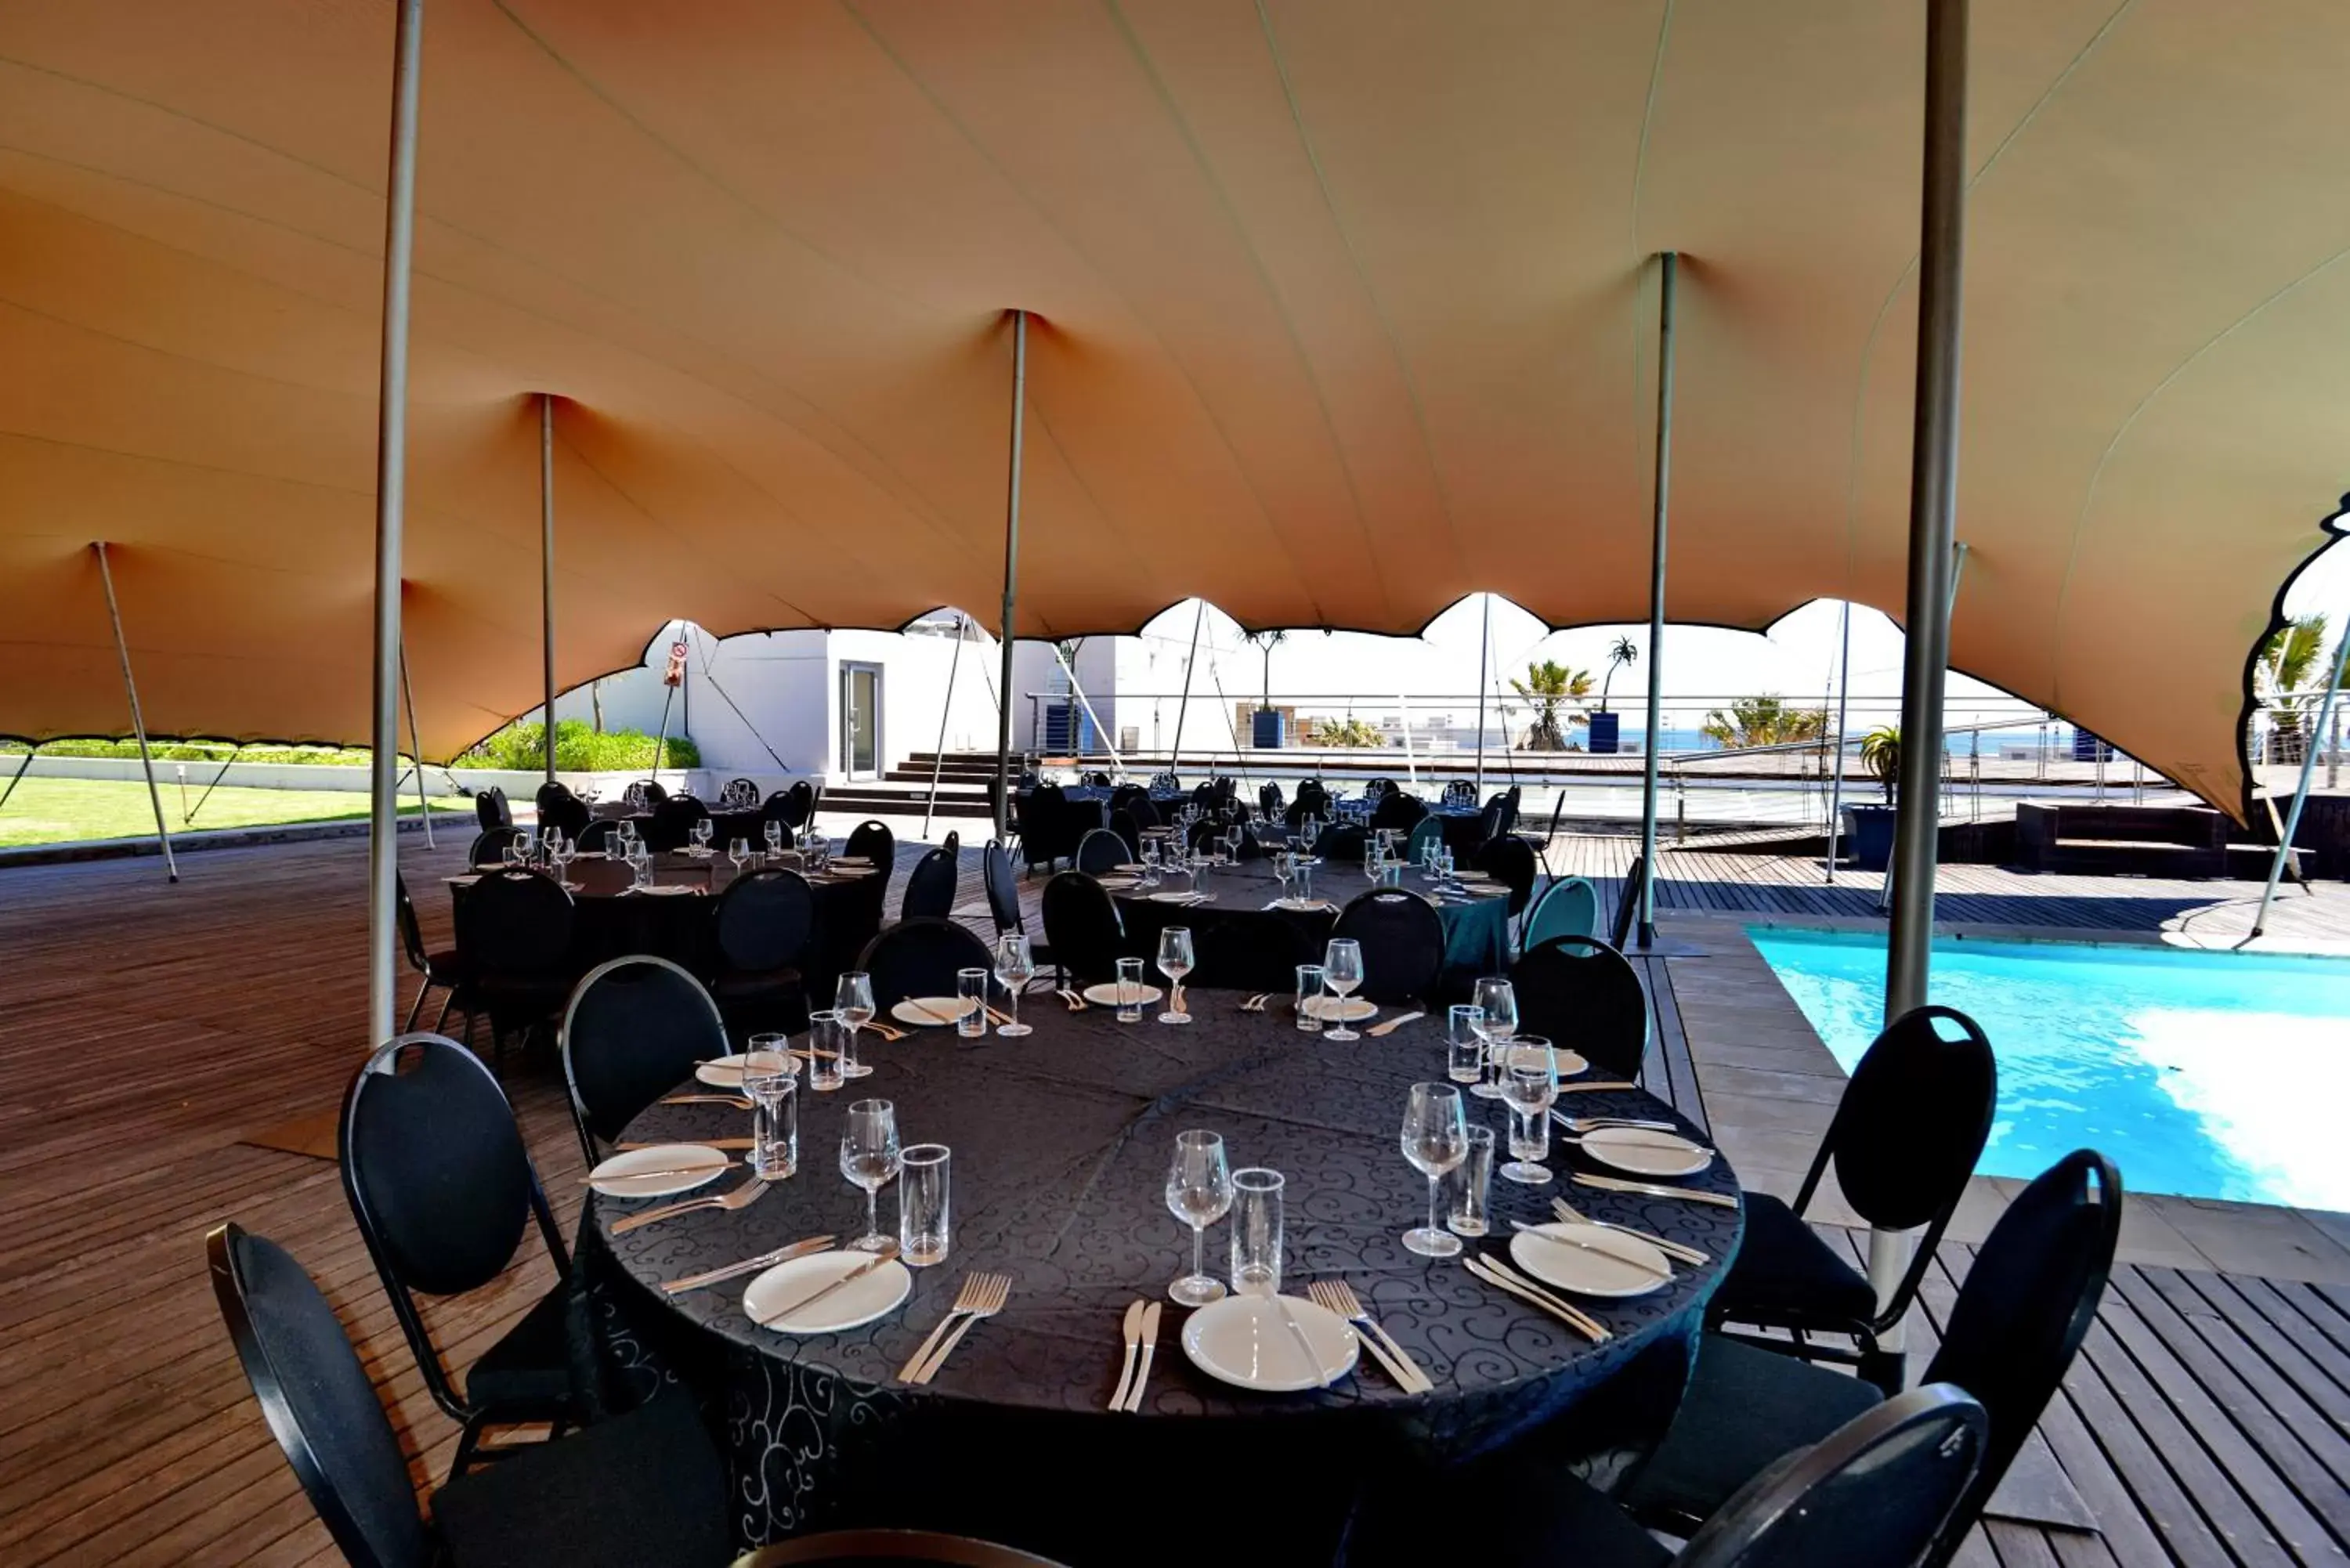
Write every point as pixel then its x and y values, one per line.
pixel 1268 641
pixel 2290 670
pixel 1549 686
pixel 1764 720
pixel 1622 651
pixel 1880 754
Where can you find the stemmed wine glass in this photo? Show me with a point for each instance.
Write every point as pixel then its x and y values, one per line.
pixel 1529 1088
pixel 703 830
pixel 1200 1191
pixel 1342 970
pixel 1284 869
pixel 852 998
pixel 560 849
pixel 869 1158
pixel 1309 826
pixel 1499 997
pixel 1175 961
pixel 1435 1140
pixel 1233 840
pixel 775 833
pixel 738 850
pixel 1016 965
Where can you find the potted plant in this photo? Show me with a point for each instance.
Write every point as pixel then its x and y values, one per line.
pixel 1604 725
pixel 1264 728
pixel 1871 826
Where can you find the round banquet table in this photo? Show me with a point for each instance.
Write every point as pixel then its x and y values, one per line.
pixel 1476 925
pixel 1061 1141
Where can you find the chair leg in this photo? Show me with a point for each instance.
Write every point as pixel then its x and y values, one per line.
pixel 416 1006
pixel 440 1024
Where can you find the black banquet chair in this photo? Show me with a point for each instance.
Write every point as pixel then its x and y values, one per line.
pixel 643 1488
pixel 489 847
pixel 2007 1340
pixel 763 927
pixel 490 808
pixel 443 970
pixel 634 1030
pixel 1100 851
pixel 1082 930
pixel 930 886
pixel 1579 992
pixel 1399 811
pixel 919 958
pixel 1340 844
pixel 599 836
pixel 872 840
pixel 1510 862
pixel 566 813
pixel 1403 943
pixel 513 938
pixel 1905 1137
pixel 443 1191
pixel 672 824
pixel 995 874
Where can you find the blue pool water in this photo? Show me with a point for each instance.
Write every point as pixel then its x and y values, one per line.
pixel 2209 1075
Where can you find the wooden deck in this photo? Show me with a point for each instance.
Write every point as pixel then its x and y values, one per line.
pixel 145 1029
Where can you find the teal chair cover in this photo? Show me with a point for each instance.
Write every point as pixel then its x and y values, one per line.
pixel 1427 831
pixel 1568 908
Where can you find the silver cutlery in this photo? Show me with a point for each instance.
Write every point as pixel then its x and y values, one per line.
pixel 1579 1245
pixel 1338 1296
pixel 1297 1336
pixel 1150 1349
pixel 1594 1088
pixel 740 1196
pixel 629 1147
pixel 1132 1326
pixel 1077 1003
pixel 737 1101
pixel 1502 1270
pixel 749 1265
pixel 998 1289
pixel 1677 1146
pixel 975 1288
pixel 1379 1031
pixel 703 1169
pixel 887 1251
pixel 1567 1316
pixel 1573 1216
pixel 1593 1124
pixel 1254 1002
pixel 1653 1189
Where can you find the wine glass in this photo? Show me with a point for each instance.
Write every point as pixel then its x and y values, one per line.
pixel 1016 965
pixel 1435 1140
pixel 1200 1191
pixel 701 832
pixel 1309 828
pixel 1342 970
pixel 775 833
pixel 869 1158
pixel 738 850
pixel 852 998
pixel 1175 960
pixel 1529 1088
pixel 560 849
pixel 1499 997
pixel 1232 839
pixel 1283 869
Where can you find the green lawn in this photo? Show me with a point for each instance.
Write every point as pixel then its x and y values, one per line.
pixel 60 811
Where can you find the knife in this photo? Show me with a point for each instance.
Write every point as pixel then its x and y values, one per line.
pixel 1150 1349
pixel 1132 1328
pixel 888 1253
pixel 750 1265
pixel 1297 1333
pixel 1650 1189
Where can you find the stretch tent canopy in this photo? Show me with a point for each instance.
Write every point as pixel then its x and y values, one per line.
pixel 1343 309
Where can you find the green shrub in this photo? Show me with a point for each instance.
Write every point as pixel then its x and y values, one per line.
pixel 213 752
pixel 522 748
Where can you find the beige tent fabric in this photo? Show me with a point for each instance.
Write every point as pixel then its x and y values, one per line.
pixel 1344 309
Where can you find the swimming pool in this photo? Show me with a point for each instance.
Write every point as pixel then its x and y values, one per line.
pixel 2209 1075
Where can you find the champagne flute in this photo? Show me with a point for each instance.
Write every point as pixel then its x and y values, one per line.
pixel 852 998
pixel 1529 1088
pixel 1175 960
pixel 1016 965
pixel 1342 970
pixel 1283 869
pixel 869 1158
pixel 1435 1140
pixel 1499 997
pixel 1200 1193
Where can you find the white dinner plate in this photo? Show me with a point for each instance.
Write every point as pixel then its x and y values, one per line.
pixel 845 873
pixel 1133 866
pixel 1341 1010
pixel 1241 1340
pixel 696 1163
pixel 1641 1152
pixel 1105 994
pixel 930 1012
pixel 1299 904
pixel 1610 1264
pixel 1174 895
pixel 864 861
pixel 721 1071
pixel 859 1303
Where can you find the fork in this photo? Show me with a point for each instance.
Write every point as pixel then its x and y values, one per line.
pixel 988 1300
pixel 1254 1002
pixel 1076 1003
pixel 1573 1216
pixel 1500 1274
pixel 974 1291
pixel 737 1101
pixel 1337 1296
pixel 1593 1124
pixel 742 1197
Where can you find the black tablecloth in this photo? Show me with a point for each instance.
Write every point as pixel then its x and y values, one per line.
pixel 1061 1142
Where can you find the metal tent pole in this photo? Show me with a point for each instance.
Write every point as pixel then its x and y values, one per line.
pixel 1484 649
pixel 22 768
pixel 1410 760
pixel 390 475
pixel 946 710
pixel 1933 561
pixel 1652 743
pixel 2312 739
pixel 1011 574
pixel 416 745
pixel 1836 756
pixel 189 816
pixel 1198 618
pixel 138 723
pixel 1116 764
pixel 546 572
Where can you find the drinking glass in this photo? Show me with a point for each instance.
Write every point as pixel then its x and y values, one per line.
pixel 560 849
pixel 1469 1211
pixel 738 850
pixel 1373 863
pixel 1129 990
pixel 641 862
pixel 1015 966
pixel 852 998
pixel 1499 997
pixel 1256 1232
pixel 1342 970
pixel 1311 985
pixel 516 853
pixel 869 1158
pixel 1282 870
pixel 925 1226
pixel 1529 1088
pixel 1200 1191
pixel 703 831
pixel 774 831
pixel 1435 1140
pixel 829 1044
pixel 770 1079
pixel 1233 840
pixel 970 996
pixel 1175 958
pixel 1309 828
pixel 1464 1043
pixel 1444 866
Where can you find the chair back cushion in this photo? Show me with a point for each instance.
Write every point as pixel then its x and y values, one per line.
pixel 568 813
pixel 764 921
pixel 1397 810
pixel 434 1166
pixel 1129 828
pixel 1003 886
pixel 489 847
pixel 1914 1119
pixel 1568 908
pixel 1340 844
pixel 1082 928
pixel 1403 944
pixel 491 810
pixel 799 803
pixel 873 840
pixel 1579 992
pixel 634 1030
pixel 919 958
pixel 1101 851
pixel 515 921
pixel 1510 861
pixel 930 886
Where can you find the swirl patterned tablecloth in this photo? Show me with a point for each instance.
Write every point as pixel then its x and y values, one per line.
pixel 1061 1142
